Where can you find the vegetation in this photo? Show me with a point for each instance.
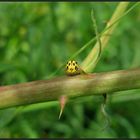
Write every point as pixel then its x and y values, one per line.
pixel 36 39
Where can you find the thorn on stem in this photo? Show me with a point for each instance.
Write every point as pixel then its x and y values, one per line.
pixel 62 100
pixel 105 98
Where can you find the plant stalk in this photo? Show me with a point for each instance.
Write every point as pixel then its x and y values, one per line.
pixel 89 62
pixel 82 85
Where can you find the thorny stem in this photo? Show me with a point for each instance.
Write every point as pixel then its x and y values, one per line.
pixel 72 87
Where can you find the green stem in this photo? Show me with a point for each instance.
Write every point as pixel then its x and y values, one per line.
pixel 88 64
pixel 82 85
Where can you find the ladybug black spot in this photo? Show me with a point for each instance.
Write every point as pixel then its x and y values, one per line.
pixel 76 68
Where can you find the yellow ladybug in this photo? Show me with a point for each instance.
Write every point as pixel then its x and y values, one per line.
pixel 72 68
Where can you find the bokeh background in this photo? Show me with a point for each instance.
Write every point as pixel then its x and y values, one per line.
pixel 36 38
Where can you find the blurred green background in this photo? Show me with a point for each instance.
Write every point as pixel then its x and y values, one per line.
pixel 37 38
